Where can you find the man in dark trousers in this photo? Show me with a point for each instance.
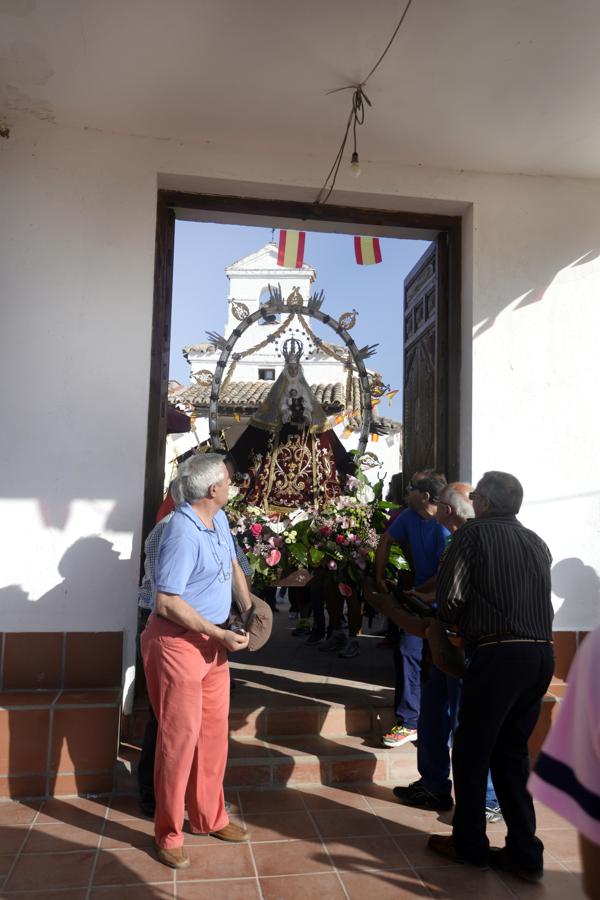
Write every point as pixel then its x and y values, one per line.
pixel 493 587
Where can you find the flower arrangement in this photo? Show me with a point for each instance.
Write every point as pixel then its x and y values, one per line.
pixel 339 540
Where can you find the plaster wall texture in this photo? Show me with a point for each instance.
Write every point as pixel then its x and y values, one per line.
pixel 76 269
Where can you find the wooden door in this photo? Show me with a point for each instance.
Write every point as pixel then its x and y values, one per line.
pixel 430 374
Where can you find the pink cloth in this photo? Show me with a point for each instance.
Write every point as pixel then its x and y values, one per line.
pixel 188 684
pixel 567 773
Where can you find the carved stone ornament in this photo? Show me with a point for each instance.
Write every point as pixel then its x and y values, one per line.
pixel 348 320
pixel 295 301
pixel 239 310
pixel 368 460
pixel 203 377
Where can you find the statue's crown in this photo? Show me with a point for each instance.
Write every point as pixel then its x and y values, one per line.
pixel 292 350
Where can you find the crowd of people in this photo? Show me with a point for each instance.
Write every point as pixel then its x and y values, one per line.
pixel 472 663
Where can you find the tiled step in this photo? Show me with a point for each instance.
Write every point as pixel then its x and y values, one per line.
pixel 317 760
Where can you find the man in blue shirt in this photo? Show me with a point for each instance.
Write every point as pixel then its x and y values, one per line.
pixel 184 647
pixel 424 539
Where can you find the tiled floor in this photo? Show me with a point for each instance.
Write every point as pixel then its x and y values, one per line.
pixel 323 842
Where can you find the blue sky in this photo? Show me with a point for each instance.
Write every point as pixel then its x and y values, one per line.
pixel 200 288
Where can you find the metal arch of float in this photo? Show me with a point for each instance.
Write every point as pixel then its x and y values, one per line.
pixel 277 304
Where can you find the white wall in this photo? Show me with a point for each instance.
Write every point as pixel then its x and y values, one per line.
pixel 77 247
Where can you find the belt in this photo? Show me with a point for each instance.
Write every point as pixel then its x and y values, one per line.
pixel 488 640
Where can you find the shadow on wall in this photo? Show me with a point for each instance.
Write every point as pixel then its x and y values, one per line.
pixel 525 295
pixel 578 586
pixel 85 564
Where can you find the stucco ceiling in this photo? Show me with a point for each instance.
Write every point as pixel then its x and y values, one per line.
pixel 482 85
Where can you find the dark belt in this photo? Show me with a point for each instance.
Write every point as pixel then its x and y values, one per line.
pixel 488 640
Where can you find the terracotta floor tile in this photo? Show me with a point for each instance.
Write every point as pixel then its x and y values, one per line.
pixel 333 798
pixel 79 811
pixel 60 894
pixel 270 801
pixel 131 892
pixel 244 889
pixel 129 867
pixel 384 885
pixel 547 818
pixel 292 825
pixel 128 833
pixel 402 820
pixel 303 887
pixel 12 837
pixel 379 795
pixel 247 748
pixel 51 871
pixel 341 823
pixel 12 813
pixel 364 853
pixel 464 883
pixel 558 884
pixel 218 860
pixel 57 838
pixel 292 858
pixel 125 808
pixel 562 843
pixel 414 847
pixel 573 865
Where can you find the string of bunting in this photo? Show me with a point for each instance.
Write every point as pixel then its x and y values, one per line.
pixel 290 254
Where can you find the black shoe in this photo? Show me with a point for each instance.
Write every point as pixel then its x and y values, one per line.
pixel 501 859
pixel 419 797
pixel 445 846
pixel 315 636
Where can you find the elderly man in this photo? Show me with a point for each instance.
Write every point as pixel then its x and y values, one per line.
pixel 494 588
pixel 417 530
pixel 441 695
pixel 184 647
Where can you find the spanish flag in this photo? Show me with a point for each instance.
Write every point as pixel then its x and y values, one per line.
pixel 367 251
pixel 291 249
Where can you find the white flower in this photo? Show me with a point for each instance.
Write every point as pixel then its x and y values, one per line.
pixel 365 493
pixel 233 492
pixel 277 527
pixel 300 515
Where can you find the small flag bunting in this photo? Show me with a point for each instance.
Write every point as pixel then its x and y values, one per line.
pixel 291 249
pixel 391 394
pixel 367 250
pixel 338 419
pixel 375 402
pixel 374 438
pixel 346 433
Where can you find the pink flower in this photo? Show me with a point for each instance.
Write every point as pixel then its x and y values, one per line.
pixel 273 558
pixel 331 565
pixel 344 589
pixel 326 530
pixel 340 539
pixel 351 538
pixel 275 540
pixel 256 529
pixel 361 563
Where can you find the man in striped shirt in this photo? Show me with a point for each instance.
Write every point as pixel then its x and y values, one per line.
pixel 493 588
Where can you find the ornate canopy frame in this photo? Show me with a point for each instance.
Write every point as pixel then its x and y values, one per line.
pixel 293 306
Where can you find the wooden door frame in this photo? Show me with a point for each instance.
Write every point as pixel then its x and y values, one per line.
pixel 449 232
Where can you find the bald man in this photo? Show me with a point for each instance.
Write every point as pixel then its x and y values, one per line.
pixel 441 695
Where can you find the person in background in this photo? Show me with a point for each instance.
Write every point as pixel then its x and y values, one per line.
pixel 417 529
pixel 566 776
pixel 493 588
pixel 440 697
pixel 184 647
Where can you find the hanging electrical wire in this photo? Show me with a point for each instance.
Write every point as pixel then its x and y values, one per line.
pixel 355 118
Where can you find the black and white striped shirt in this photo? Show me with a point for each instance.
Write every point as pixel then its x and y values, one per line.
pixel 494 579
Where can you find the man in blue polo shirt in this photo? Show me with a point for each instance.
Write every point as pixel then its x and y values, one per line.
pixel 420 534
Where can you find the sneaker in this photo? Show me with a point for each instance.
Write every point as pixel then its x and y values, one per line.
pixel 303 627
pixel 334 643
pixel 293 615
pixel 419 797
pixel 501 859
pixel 315 637
pixel 351 649
pixel 399 735
pixel 493 814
